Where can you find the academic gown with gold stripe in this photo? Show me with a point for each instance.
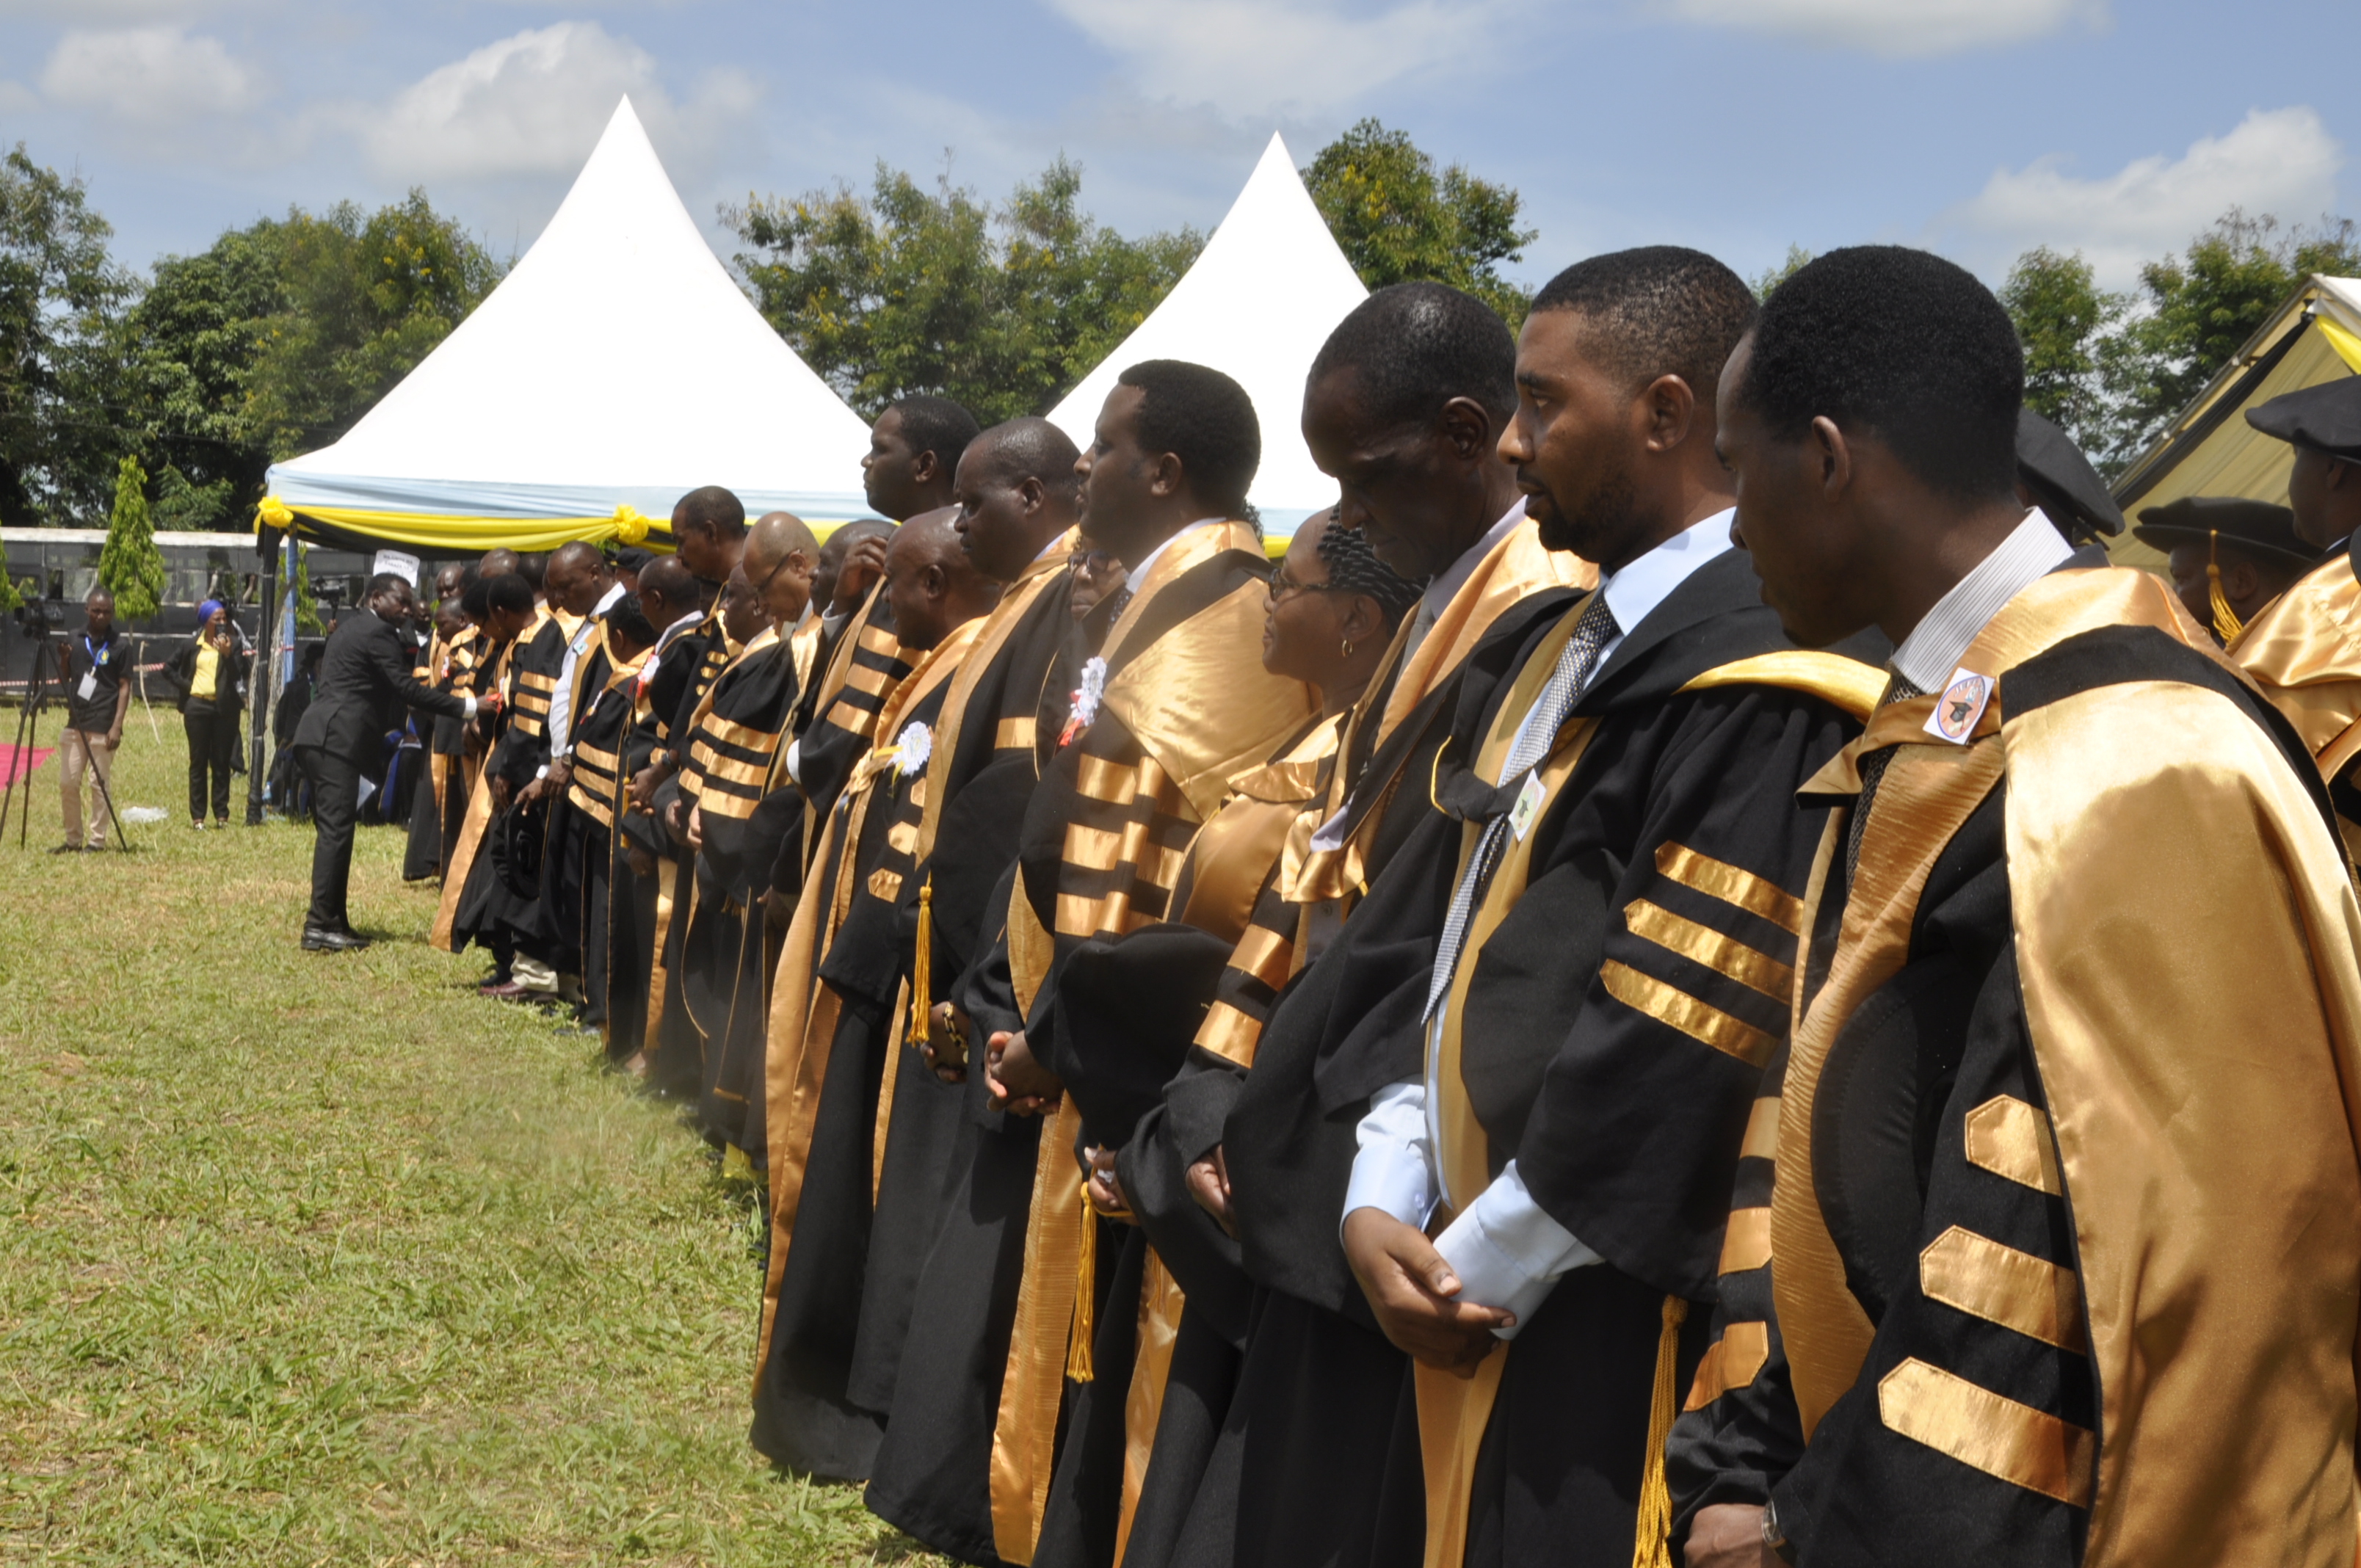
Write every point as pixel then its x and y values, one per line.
pixel 667 708
pixel 970 1447
pixel 1621 986
pixel 2303 650
pixel 731 755
pixel 2056 1191
pixel 1141 1433
pixel 1303 1450
pixel 838 1016
pixel 485 909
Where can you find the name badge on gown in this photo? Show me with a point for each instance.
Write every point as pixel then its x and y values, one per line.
pixel 1528 807
pixel 1959 706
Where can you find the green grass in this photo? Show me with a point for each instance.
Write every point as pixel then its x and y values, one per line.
pixel 315 1258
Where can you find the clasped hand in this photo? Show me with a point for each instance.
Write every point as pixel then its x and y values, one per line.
pixel 1414 1294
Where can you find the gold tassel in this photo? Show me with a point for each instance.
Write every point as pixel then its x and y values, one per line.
pixel 2226 624
pixel 1651 1540
pixel 922 966
pixel 1086 1278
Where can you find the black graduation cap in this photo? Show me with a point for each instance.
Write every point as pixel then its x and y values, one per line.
pixel 2326 418
pixel 2253 525
pixel 2064 485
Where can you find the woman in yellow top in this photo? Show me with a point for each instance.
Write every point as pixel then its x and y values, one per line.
pixel 211 674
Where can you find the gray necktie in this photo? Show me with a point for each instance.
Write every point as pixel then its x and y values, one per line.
pixel 1565 682
pixel 1873 768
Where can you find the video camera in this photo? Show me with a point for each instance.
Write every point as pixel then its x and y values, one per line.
pixel 39 619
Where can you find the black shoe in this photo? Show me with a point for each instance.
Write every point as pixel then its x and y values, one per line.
pixel 65 850
pixel 355 937
pixel 319 939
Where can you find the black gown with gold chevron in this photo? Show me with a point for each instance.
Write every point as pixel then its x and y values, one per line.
pixel 1616 999
pixel 2056 1190
pixel 862 1137
pixel 970 1443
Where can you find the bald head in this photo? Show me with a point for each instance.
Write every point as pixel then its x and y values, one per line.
pixel 930 581
pixel 780 555
pixel 499 563
pixel 577 577
pixel 668 591
pixel 1016 492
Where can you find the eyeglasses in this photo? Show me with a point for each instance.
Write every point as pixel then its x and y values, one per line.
pixel 1284 587
pixel 1092 562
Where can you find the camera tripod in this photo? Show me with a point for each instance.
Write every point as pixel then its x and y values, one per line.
pixel 45 667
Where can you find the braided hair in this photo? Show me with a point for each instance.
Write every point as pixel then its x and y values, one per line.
pixel 1354 568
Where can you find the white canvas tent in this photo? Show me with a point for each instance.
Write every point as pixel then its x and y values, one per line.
pixel 2210 449
pixel 618 365
pixel 1264 295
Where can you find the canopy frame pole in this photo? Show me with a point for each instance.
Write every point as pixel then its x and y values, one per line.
pixel 257 708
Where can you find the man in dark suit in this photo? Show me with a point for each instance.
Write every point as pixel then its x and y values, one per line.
pixel 365 682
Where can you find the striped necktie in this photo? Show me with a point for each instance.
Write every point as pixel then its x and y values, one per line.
pixel 1873 769
pixel 1532 743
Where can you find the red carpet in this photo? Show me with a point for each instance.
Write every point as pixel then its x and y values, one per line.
pixel 13 757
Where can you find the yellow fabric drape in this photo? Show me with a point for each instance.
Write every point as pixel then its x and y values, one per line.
pixel 2347 345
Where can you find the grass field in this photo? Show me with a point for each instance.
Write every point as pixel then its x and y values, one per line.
pixel 311 1259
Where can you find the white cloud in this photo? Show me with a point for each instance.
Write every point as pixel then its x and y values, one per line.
pixel 148 78
pixel 2279 161
pixel 1250 56
pixel 533 106
pixel 1905 28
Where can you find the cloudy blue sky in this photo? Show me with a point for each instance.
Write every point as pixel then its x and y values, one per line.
pixel 1977 127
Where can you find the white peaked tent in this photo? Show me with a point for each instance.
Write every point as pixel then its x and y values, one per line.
pixel 617 365
pixel 1264 295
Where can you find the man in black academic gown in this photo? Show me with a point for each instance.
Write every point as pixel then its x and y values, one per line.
pixel 1174 702
pixel 365 684
pixel 1607 893
pixel 1405 405
pixel 669 598
pixel 836 1035
pixel 2229 557
pixel 2049 1213
pixel 731 760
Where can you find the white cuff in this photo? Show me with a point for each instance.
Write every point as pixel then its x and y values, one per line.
pixel 1508 1251
pixel 1392 1172
pixel 542 772
pixel 796 763
pixel 471 709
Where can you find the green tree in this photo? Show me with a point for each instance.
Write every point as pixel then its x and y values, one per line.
pixel 2063 318
pixel 191 343
pixel 307 609
pixel 363 301
pixel 907 290
pixel 1764 281
pixel 1400 220
pixel 10 599
pixel 60 293
pixel 2195 311
pixel 129 566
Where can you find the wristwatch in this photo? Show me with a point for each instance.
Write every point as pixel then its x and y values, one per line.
pixel 1774 1537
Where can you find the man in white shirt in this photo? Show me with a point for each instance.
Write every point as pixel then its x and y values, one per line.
pixel 1550 1139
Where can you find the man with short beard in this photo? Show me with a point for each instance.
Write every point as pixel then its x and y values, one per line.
pixel 1557 1097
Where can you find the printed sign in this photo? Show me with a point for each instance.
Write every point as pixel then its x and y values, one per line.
pixel 398 564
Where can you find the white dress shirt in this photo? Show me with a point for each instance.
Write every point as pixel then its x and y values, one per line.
pixel 1136 575
pixel 1933 650
pixel 561 709
pixel 1504 1247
